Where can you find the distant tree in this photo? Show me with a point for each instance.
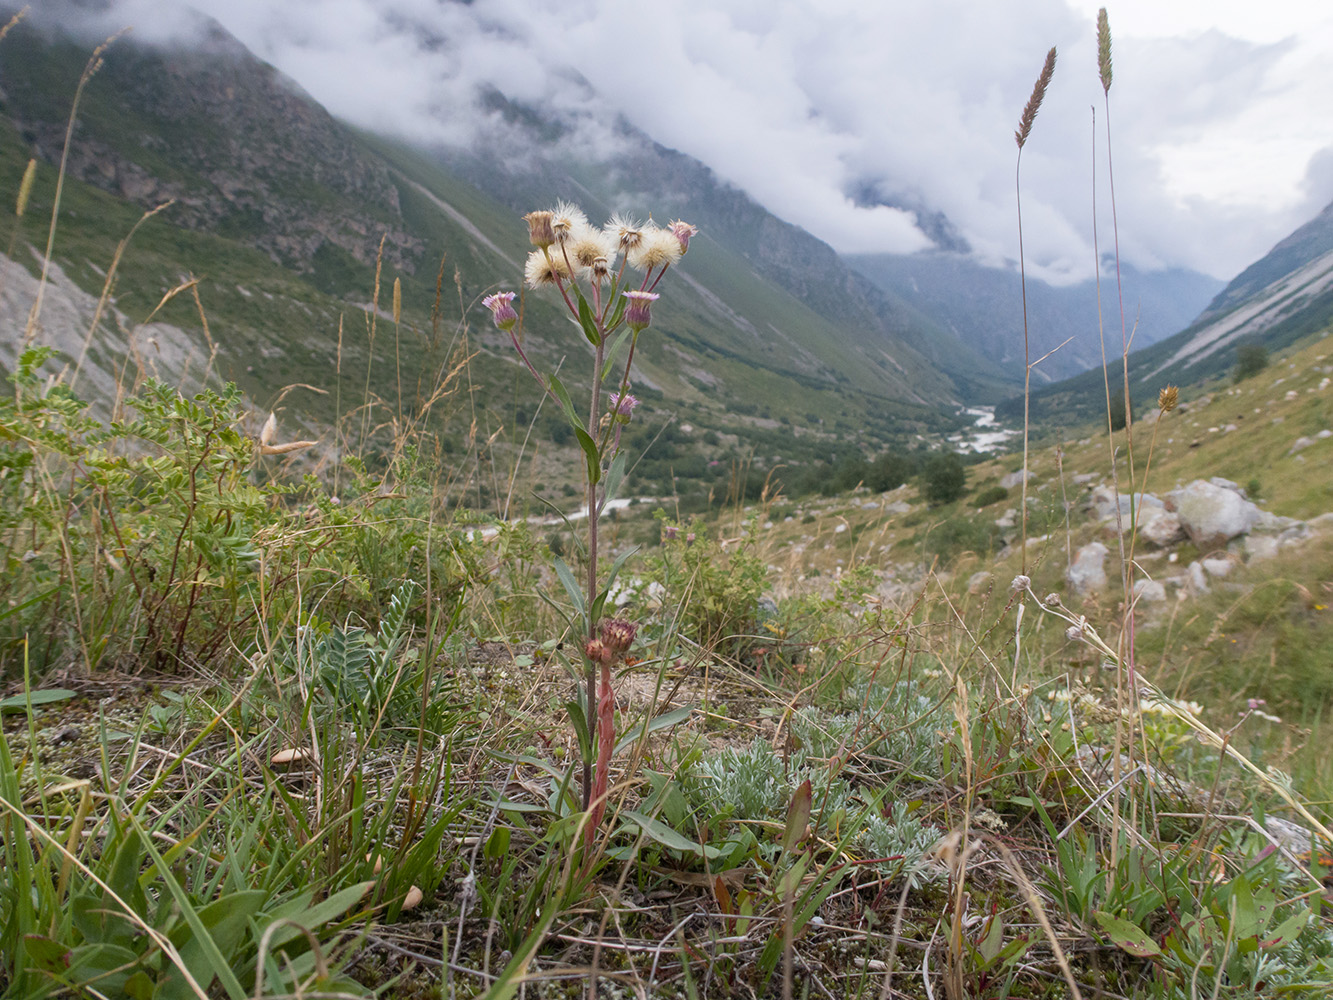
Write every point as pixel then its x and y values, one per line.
pixel 943 478
pixel 1251 359
pixel 1118 410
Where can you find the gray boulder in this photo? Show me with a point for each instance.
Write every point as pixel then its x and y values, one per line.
pixel 1149 591
pixel 1212 515
pixel 1087 573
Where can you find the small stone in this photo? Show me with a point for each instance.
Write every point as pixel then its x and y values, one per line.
pixel 413 899
pixel 291 757
pixel 1149 590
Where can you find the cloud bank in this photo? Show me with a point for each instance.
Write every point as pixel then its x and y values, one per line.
pixel 1221 121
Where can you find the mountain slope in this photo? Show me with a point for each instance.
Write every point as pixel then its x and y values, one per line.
pixel 984 306
pixel 237 187
pixel 1284 296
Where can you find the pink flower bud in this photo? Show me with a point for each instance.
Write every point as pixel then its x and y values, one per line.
pixel 501 305
pixel 683 231
pixel 618 635
pixel 636 314
pixel 622 407
pixel 541 228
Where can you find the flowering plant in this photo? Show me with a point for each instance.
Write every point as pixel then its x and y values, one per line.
pixel 607 279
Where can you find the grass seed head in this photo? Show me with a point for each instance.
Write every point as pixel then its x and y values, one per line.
pixel 1034 102
pixel 1104 50
pixel 25 188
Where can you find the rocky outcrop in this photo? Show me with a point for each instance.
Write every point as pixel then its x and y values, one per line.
pixel 1212 515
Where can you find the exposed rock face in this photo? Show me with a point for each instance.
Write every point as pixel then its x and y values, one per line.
pixel 237 146
pixel 1087 573
pixel 1213 515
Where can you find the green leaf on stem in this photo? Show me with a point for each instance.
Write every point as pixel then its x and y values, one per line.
pixel 589 447
pixel 587 320
pixel 571 585
pixel 615 477
pixel 664 721
pixel 615 348
pixel 617 314
pixel 566 404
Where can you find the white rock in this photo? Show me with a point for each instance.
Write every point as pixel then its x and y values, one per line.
pixel 1198 582
pixel 1149 590
pixel 1015 478
pixel 1088 572
pixel 1212 515
pixel 978 582
pixel 1323 522
pixel 1163 529
pixel 1260 547
pixel 1216 567
pixel 1300 444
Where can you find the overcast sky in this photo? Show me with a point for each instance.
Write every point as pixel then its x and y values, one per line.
pixel 1221 110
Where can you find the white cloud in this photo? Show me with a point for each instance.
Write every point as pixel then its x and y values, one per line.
pixel 1221 113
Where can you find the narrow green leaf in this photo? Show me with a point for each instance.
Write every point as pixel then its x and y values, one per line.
pixel 1126 936
pixel 659 832
pixel 587 320
pixel 566 404
pixel 566 576
pixel 48 696
pixel 1287 931
pixel 665 721
pixel 615 477
pixel 615 348
pixel 798 816
pixel 590 452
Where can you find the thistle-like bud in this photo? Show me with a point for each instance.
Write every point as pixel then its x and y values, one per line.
pixel 621 407
pixel 1168 398
pixel 501 305
pixel 618 635
pixel 636 315
pixel 1020 584
pixel 683 231
pixel 541 228
pixel 597 652
pixel 600 270
pixel 1052 600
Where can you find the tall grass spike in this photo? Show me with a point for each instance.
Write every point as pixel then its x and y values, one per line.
pixel 1034 102
pixel 1104 50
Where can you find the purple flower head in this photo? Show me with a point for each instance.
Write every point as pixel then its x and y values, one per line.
pixel 621 406
pixel 636 315
pixel 501 305
pixel 683 231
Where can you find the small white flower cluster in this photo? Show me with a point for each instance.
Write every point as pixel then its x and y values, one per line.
pixel 570 248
